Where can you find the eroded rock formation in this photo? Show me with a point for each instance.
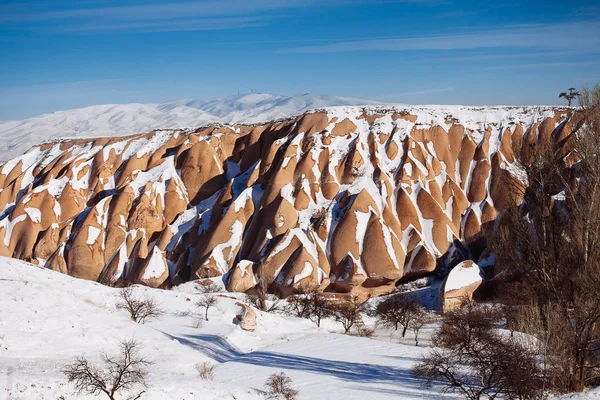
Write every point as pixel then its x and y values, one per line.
pixel 352 199
pixel 460 284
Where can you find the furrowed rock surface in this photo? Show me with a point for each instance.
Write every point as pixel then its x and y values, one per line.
pixel 353 199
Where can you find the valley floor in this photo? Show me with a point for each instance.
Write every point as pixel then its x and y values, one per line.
pixel 47 319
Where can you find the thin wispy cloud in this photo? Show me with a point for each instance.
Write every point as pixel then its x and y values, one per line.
pixel 157 11
pixel 505 51
pixel 579 35
pixel 210 14
pixel 569 64
pixel 179 25
pixel 475 56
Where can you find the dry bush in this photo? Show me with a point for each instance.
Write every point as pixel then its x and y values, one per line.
pixel 198 321
pixel 125 372
pixel 321 307
pixel 309 303
pixel 206 302
pixel 279 386
pixel 140 309
pixel 471 321
pixel 301 303
pixel 298 305
pixel 210 288
pixel 346 312
pixel 366 332
pixel 398 310
pixel 421 318
pixel 259 295
pixel 473 360
pixel 206 370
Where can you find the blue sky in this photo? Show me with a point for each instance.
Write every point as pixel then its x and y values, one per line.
pixel 64 54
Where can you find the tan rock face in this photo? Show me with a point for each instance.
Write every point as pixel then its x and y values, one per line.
pixel 351 199
pixel 459 285
pixel 246 319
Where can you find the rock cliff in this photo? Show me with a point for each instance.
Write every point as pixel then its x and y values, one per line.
pixel 353 199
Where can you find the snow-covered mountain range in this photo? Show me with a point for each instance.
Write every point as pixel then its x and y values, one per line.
pixel 16 137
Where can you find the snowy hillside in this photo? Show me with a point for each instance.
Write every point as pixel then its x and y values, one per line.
pixel 16 137
pixel 48 318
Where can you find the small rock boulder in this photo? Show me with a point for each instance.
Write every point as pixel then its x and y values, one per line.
pixel 246 319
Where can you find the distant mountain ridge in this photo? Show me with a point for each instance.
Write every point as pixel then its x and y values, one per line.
pixel 126 119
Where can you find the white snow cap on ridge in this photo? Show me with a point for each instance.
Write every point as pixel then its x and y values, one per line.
pixel 464 274
pixel 127 119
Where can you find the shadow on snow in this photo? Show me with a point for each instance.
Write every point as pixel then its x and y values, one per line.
pixel 220 350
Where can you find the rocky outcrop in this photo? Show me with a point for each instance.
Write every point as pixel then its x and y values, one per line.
pixel 246 319
pixel 351 199
pixel 459 285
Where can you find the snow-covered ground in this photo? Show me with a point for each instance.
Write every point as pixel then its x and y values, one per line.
pixel 128 119
pixel 47 319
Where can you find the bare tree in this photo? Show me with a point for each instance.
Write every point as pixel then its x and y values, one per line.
pixel 321 307
pixel 548 249
pixel 125 372
pixel 140 309
pixel 259 295
pixel 419 320
pixel 346 312
pixel 398 310
pixel 206 302
pixel 279 386
pixel 309 303
pixel 571 95
pixel 208 288
pixel 299 305
pixel 472 359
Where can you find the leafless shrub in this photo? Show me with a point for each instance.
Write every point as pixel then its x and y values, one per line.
pixel 419 320
pixel 321 307
pixel 198 321
pixel 475 361
pixel 279 386
pixel 299 304
pixel 366 332
pixel 346 312
pixel 125 372
pixel 206 302
pixel 309 303
pixel 140 309
pixel 398 310
pixel 206 370
pixel 209 288
pixel 472 321
pixel 259 295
